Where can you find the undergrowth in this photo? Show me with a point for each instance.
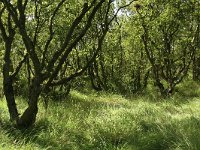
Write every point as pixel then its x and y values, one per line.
pixel 104 121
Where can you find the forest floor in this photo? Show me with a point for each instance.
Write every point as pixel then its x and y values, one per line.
pixel 104 121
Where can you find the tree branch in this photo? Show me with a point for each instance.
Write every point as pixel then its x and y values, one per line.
pixel 2 28
pixel 51 32
pixel 73 44
pixel 13 75
pixel 68 37
pixel 80 72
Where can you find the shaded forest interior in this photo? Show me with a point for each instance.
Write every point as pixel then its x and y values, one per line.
pixel 52 51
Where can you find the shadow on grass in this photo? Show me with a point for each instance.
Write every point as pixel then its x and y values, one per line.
pixel 181 133
pixel 96 102
pixel 39 134
pixel 176 134
pixel 30 135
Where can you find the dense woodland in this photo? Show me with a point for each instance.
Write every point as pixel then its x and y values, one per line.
pixel 49 47
pixel 99 74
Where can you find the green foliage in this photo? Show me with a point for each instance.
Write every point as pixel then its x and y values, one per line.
pixel 152 43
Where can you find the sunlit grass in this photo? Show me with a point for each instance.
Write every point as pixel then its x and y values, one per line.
pixel 100 121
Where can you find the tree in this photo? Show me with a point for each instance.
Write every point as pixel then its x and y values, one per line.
pixel 45 69
pixel 50 41
pixel 169 38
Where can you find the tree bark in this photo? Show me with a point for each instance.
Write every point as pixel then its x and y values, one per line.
pixel 8 81
pixel 196 68
pixel 29 116
pixel 10 99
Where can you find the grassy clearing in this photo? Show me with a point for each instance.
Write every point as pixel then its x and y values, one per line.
pixel 103 121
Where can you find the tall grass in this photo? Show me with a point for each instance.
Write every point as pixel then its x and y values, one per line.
pixel 103 121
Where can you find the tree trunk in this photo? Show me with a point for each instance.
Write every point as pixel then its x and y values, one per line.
pixel 92 79
pixel 161 87
pixel 9 94
pixel 145 80
pixel 8 82
pixel 196 68
pixel 29 116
